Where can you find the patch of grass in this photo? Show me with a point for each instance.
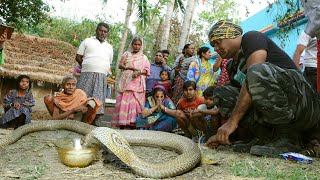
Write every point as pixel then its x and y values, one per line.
pixel 34 171
pixel 30 168
pixel 268 168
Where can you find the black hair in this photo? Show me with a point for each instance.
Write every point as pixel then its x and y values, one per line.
pixel 189 84
pixel 156 89
pixel 165 52
pixel 208 92
pixel 103 24
pixel 202 50
pixel 164 70
pixel 159 52
pixel 185 47
pixel 19 78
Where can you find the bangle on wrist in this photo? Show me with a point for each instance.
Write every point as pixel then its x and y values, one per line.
pixel 165 109
pixel 150 111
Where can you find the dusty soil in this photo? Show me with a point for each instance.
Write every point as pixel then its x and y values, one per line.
pixel 34 156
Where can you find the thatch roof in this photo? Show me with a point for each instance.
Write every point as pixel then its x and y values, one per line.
pixel 42 59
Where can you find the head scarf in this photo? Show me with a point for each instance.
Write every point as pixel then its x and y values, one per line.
pixel 224 29
pixel 130 48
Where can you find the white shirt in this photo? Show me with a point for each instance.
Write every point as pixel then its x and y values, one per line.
pixel 97 56
pixel 310 57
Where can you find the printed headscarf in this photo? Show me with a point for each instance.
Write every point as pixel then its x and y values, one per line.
pixel 224 29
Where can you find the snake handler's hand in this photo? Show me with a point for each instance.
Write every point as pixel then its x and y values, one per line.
pixel 222 136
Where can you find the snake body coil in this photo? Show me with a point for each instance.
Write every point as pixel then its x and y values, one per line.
pixel 119 141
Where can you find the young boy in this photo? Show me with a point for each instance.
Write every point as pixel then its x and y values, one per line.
pixel 208 113
pixel 185 107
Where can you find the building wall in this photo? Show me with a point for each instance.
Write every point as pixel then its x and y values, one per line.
pixel 265 18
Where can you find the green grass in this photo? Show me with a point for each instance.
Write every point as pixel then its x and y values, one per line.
pixel 31 169
pixel 274 169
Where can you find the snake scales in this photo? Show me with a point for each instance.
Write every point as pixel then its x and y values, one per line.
pixel 118 142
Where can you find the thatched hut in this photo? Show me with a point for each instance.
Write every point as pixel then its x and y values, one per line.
pixel 46 61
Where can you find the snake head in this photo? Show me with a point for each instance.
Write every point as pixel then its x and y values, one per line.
pixel 89 140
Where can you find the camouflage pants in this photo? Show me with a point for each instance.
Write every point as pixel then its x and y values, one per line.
pixel 279 97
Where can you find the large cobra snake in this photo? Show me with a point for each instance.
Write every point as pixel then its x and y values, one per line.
pixel 119 141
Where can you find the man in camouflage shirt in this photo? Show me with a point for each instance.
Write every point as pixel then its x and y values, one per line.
pixel 267 95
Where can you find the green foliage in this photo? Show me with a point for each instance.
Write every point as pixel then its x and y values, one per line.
pixel 270 170
pixel 178 6
pixel 23 13
pixel 148 25
pixel 66 30
pixel 216 10
pixel 285 10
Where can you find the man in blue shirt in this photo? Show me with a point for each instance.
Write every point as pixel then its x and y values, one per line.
pixel 155 69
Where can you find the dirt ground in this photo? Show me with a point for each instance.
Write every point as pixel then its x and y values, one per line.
pixel 34 156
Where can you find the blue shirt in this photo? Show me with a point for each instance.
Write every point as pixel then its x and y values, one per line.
pixel 155 75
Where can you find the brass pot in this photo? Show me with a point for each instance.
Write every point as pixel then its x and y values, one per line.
pixel 74 156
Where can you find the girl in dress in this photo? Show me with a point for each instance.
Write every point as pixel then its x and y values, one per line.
pixel 165 82
pixel 17 104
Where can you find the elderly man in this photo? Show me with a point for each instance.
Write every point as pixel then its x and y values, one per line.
pixel 95 57
pixel 268 95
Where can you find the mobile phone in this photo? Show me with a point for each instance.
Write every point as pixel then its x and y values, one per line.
pixel 9 30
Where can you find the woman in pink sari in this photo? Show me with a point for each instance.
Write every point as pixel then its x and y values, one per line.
pixel 131 86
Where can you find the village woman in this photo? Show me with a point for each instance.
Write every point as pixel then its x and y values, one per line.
pixel 201 71
pixel 132 85
pixel 17 104
pixel 72 103
pixel 158 113
pixel 180 70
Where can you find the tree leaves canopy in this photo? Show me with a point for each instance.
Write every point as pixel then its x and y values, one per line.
pixel 22 13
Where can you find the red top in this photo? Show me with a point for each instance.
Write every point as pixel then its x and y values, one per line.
pixel 183 104
pixel 224 77
pixel 166 85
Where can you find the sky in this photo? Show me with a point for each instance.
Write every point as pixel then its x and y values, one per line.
pixel 114 10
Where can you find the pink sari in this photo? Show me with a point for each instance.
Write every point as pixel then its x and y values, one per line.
pixel 131 97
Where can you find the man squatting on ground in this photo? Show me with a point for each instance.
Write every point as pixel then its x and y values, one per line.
pixel 267 95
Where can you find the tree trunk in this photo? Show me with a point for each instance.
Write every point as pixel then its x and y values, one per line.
pixel 167 25
pixel 186 24
pixel 123 43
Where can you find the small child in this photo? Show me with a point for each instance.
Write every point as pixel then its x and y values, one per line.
pixel 186 106
pixel 165 81
pixel 17 104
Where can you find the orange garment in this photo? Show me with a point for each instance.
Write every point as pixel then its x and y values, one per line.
pixel 67 102
pixel 183 104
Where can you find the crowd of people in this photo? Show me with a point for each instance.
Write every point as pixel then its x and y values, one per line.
pixel 254 94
